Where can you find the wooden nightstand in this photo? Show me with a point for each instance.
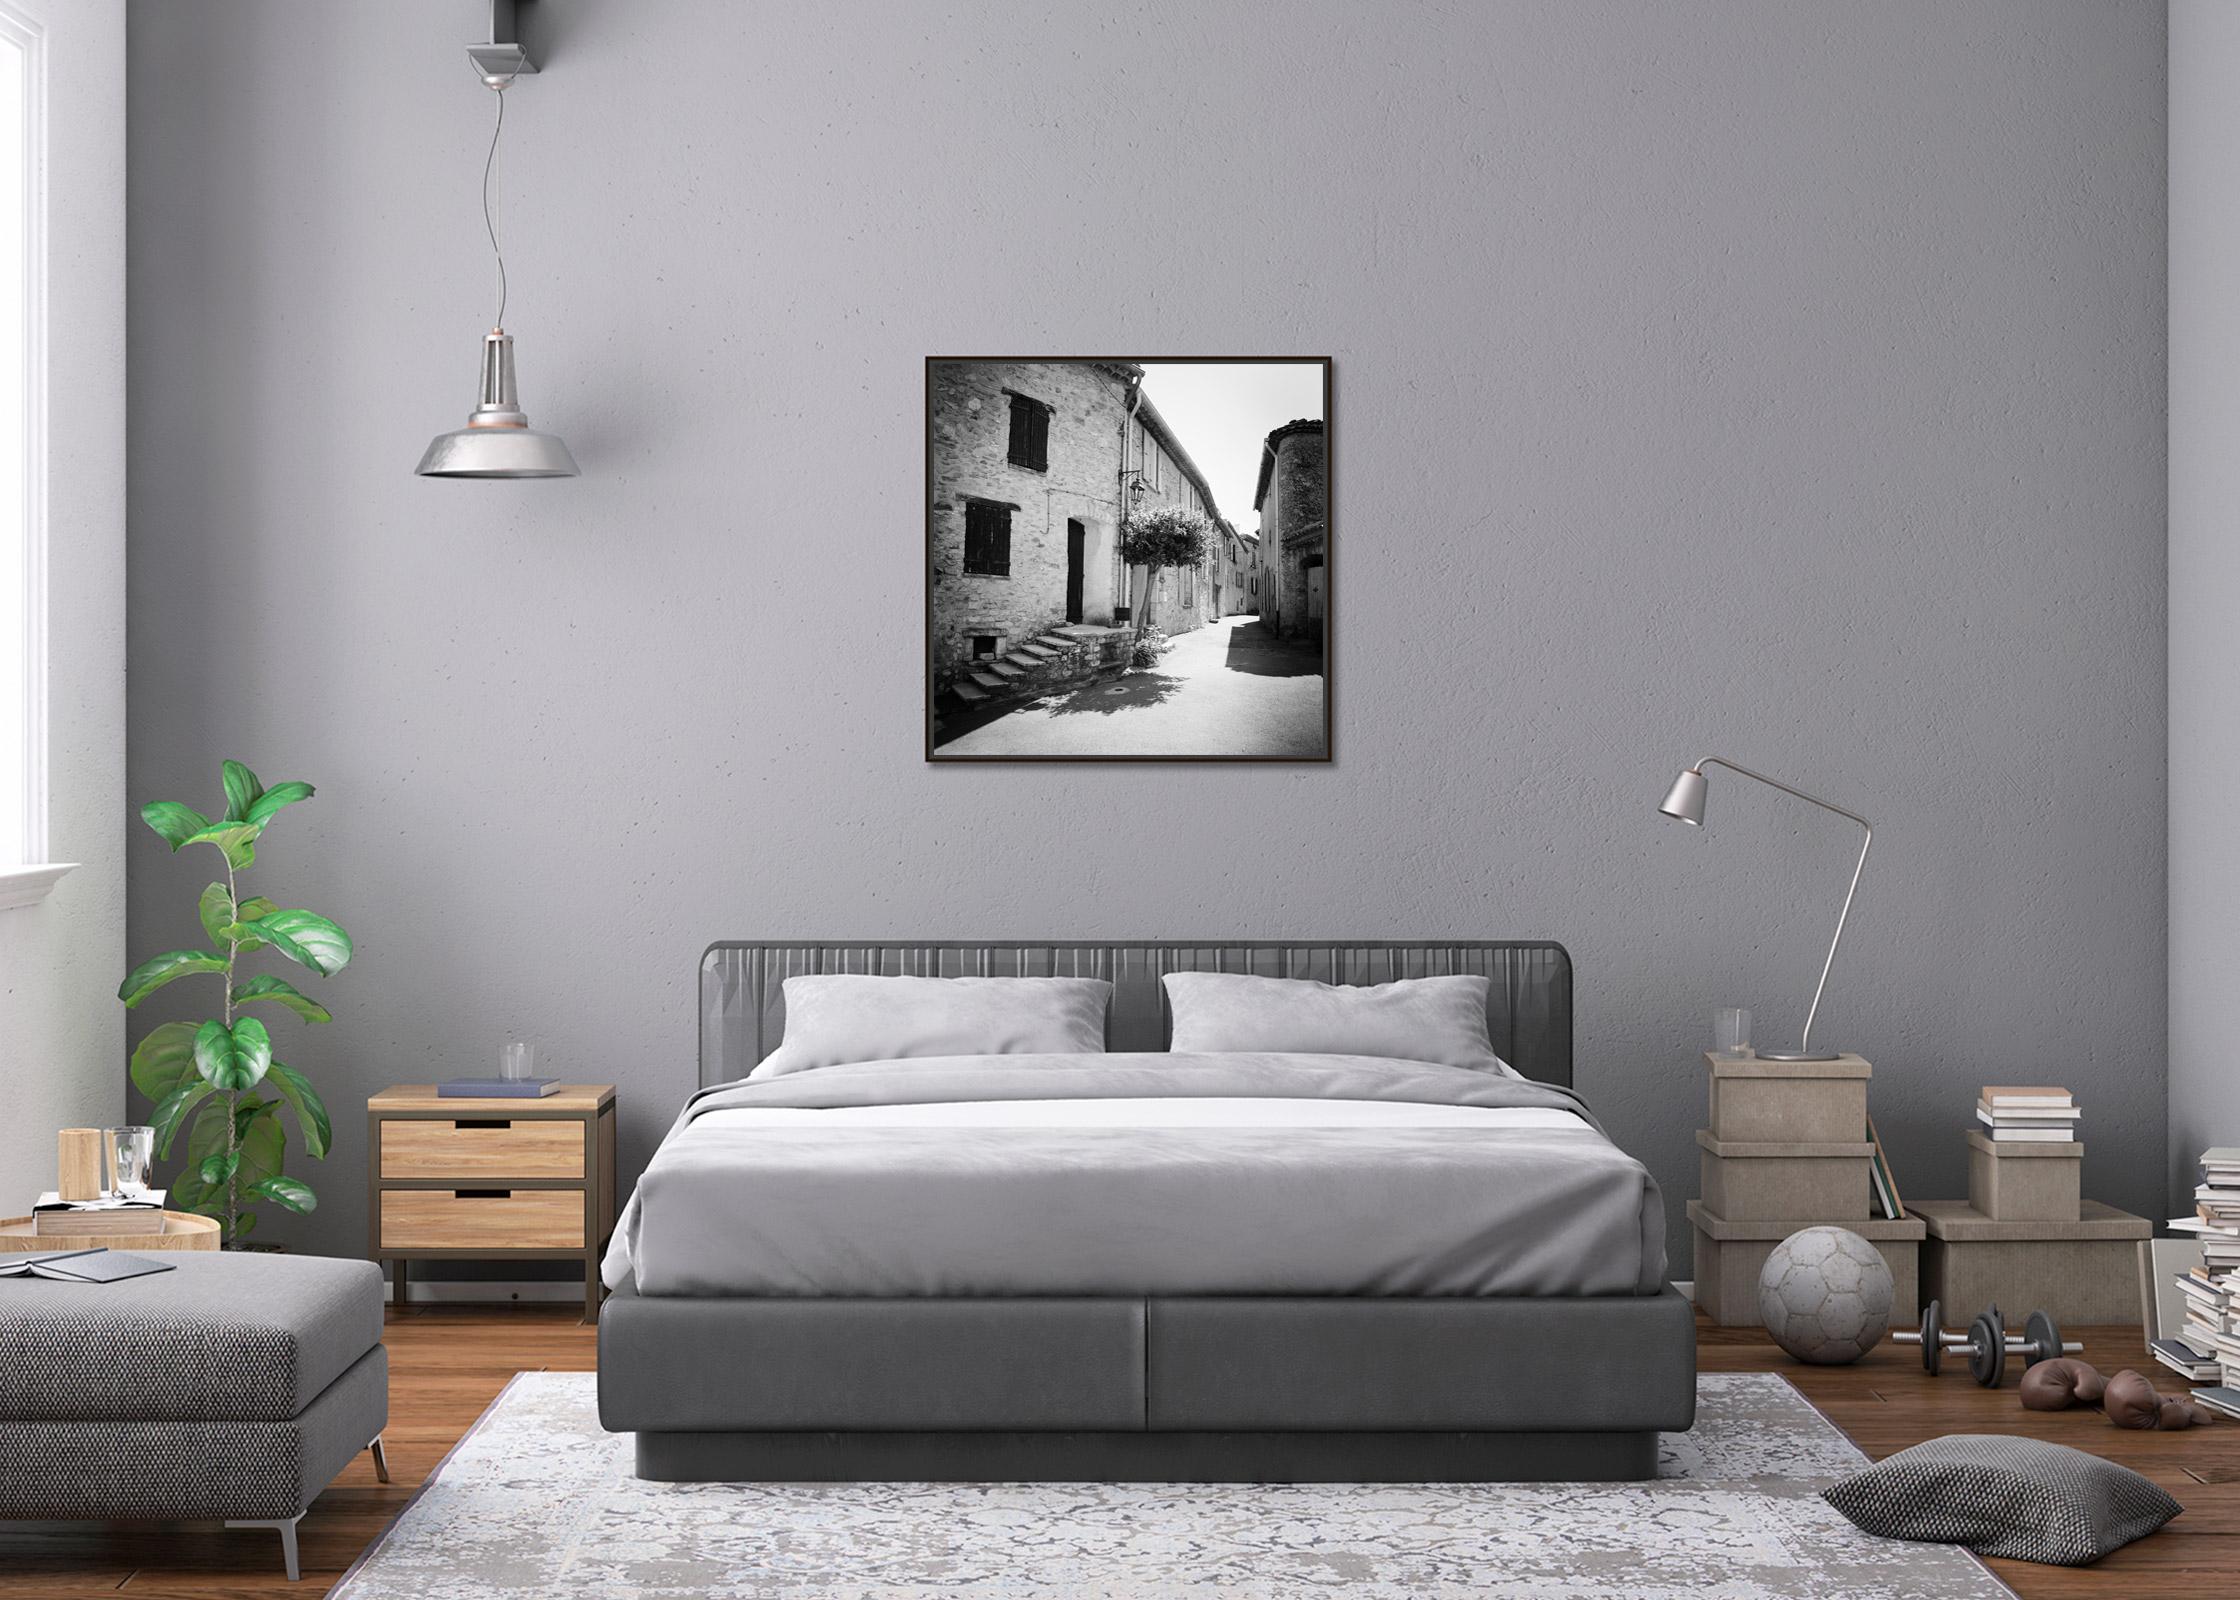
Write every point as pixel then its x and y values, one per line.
pixel 509 1179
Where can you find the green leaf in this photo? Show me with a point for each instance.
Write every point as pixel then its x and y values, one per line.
pixel 237 932
pixel 237 840
pixel 279 795
pixel 153 973
pixel 246 1112
pixel 164 1060
pixel 174 1109
pixel 216 1169
pixel 281 992
pixel 244 1222
pixel 217 911
pixel 234 1058
pixel 310 1110
pixel 242 790
pixel 295 1195
pixel 262 1143
pixel 190 1193
pixel 307 937
pixel 175 822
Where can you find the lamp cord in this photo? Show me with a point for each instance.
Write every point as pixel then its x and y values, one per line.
pixel 497 127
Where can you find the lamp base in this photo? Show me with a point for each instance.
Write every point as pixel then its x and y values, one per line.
pixel 1800 1055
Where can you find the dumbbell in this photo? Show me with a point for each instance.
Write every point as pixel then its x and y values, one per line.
pixel 1987 1342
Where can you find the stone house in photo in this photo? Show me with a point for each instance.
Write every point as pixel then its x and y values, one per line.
pixel 1236 583
pixel 1293 499
pixel 1034 467
pixel 1184 597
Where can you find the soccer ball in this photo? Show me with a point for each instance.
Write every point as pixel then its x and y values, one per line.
pixel 1825 1296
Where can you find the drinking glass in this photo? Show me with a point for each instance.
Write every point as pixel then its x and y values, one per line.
pixel 517 1061
pixel 1730 1031
pixel 132 1152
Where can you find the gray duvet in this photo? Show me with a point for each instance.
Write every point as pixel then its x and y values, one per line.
pixel 1104 1208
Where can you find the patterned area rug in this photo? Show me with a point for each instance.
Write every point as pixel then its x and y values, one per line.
pixel 537 1501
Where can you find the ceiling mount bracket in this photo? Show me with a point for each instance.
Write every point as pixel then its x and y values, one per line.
pixel 502 59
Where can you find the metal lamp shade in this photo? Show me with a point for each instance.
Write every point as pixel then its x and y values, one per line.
pixel 1685 799
pixel 497 441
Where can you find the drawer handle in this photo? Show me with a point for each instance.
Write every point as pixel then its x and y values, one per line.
pixel 482 1122
pixel 482 1194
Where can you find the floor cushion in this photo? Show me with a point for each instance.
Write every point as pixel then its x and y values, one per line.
pixel 2024 1499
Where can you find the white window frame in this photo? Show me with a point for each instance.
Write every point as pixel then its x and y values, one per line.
pixel 26 875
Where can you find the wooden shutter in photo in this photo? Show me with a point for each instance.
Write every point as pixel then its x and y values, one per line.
pixel 1030 433
pixel 987 538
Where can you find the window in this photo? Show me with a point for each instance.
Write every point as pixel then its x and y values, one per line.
pixel 1030 433
pixel 22 533
pixel 987 538
pixel 1189 586
pixel 983 647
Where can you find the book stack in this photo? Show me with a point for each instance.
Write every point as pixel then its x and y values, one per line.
pixel 2022 1115
pixel 2212 1290
pixel 55 1217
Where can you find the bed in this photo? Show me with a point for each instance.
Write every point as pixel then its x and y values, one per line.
pixel 1143 1265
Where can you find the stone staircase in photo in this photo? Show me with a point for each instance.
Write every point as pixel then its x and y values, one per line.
pixel 1059 658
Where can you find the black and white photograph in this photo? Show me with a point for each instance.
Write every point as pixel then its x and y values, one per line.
pixel 1128 559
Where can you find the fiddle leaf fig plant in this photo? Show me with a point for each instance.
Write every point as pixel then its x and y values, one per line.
pixel 218 1080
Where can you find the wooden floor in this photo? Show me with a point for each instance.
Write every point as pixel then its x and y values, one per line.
pixel 448 1363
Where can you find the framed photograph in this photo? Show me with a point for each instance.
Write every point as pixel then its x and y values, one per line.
pixel 1128 558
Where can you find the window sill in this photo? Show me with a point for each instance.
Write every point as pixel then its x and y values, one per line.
pixel 27 886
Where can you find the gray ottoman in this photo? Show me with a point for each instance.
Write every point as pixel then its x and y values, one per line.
pixel 234 1386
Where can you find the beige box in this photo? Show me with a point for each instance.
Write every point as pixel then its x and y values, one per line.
pixel 2076 1272
pixel 2025 1182
pixel 1810 1182
pixel 1731 1252
pixel 1788 1102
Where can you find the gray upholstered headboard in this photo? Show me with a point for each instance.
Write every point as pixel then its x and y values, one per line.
pixel 1528 1005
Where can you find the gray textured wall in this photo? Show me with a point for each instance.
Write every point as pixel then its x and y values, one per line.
pixel 2204 588
pixel 1785 382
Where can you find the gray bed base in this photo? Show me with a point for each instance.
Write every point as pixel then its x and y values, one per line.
pixel 1185 1390
pixel 1131 1389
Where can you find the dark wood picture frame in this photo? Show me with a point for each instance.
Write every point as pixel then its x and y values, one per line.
pixel 931 692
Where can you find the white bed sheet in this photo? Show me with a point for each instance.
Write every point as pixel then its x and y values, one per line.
pixel 1215 1112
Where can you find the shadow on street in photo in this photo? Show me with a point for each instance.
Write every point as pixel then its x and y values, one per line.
pixel 1226 688
pixel 1252 648
pixel 1131 693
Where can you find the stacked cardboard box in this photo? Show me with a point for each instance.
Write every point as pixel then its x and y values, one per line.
pixel 2025 1163
pixel 1787 1149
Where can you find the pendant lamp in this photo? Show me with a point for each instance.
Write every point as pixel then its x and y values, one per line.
pixel 497 441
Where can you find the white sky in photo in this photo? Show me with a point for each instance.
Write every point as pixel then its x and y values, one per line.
pixel 1222 412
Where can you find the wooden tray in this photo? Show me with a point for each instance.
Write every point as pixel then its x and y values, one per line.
pixel 181 1231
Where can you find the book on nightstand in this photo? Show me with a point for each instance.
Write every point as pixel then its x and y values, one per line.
pixel 497 1088
pixel 79 1219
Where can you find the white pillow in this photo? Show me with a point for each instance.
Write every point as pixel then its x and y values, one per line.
pixel 837 1017
pixel 1415 1019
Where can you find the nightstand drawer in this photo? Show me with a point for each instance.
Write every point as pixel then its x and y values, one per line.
pixel 494 1219
pixel 481 1147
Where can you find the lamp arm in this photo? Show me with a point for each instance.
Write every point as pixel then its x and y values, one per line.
pixel 1804 1043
